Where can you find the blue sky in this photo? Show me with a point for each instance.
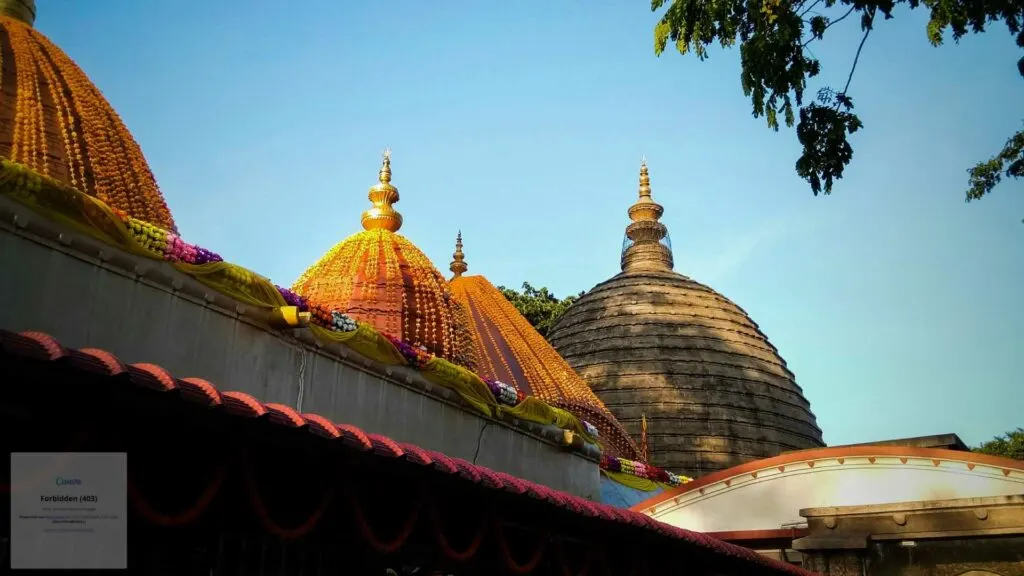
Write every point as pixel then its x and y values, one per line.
pixel 899 307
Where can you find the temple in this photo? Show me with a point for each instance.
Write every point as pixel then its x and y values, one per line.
pixel 378 418
pixel 651 341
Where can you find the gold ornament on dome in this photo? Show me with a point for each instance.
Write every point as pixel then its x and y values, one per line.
pixel 383 195
pixel 458 265
pixel 379 277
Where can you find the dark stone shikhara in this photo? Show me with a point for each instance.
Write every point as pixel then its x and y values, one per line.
pixel 651 341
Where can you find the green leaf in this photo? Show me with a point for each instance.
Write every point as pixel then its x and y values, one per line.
pixel 1009 445
pixel 661 32
pixel 776 66
pixel 818 26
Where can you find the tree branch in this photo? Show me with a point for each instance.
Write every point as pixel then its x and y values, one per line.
pixel 829 25
pixel 856 59
pixel 813 4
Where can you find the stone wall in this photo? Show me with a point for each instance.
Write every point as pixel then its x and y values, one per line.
pixel 971 536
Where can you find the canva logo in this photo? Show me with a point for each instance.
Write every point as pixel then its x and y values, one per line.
pixel 68 481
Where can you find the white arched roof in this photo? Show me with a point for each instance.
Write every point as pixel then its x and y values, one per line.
pixel 769 494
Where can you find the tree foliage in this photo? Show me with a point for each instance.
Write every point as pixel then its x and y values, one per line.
pixel 774 38
pixel 539 306
pixel 1009 445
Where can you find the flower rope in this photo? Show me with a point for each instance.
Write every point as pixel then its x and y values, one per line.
pixel 186 516
pixel 641 470
pixel 273 527
pixel 366 530
pixel 506 554
pixel 445 545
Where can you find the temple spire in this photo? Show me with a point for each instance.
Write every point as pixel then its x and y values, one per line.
pixel 645 179
pixel 458 265
pixel 21 10
pixel 646 246
pixel 383 195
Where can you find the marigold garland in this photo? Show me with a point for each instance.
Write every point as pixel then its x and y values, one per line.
pixel 506 554
pixel 381 266
pixel 186 516
pixel 273 527
pixel 445 545
pixel 384 547
pixel 547 375
pixel 65 129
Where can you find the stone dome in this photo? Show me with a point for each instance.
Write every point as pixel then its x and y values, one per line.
pixel 55 121
pixel 650 341
pixel 379 277
pixel 509 349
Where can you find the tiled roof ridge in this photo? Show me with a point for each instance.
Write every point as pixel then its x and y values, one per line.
pixel 43 347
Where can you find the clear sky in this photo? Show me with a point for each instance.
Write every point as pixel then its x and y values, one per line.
pixel 899 307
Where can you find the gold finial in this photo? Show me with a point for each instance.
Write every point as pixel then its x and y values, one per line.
pixel 383 216
pixel 21 10
pixel 458 265
pixel 647 245
pixel 645 179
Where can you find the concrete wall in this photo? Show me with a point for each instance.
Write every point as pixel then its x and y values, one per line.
pixel 86 294
pixel 963 537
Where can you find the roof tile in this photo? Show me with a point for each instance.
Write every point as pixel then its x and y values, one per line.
pixel 40 346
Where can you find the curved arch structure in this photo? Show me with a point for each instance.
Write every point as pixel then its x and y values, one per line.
pixel 769 494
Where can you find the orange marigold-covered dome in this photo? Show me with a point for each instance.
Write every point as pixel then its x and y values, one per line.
pixel 55 121
pixel 380 277
pixel 509 349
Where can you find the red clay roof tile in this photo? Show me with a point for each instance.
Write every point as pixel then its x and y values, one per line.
pixel 40 346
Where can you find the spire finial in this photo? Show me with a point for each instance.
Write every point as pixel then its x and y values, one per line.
pixel 382 215
pixel 384 176
pixel 21 10
pixel 645 179
pixel 646 246
pixel 458 265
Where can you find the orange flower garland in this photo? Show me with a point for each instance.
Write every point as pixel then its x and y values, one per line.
pixel 381 278
pixel 65 129
pixel 186 516
pixel 273 527
pixel 385 547
pixel 445 545
pixel 506 554
pixel 548 376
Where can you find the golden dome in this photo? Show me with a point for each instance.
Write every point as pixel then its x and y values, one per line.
pixel 509 349
pixel 55 121
pixel 379 277
pixel 655 345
